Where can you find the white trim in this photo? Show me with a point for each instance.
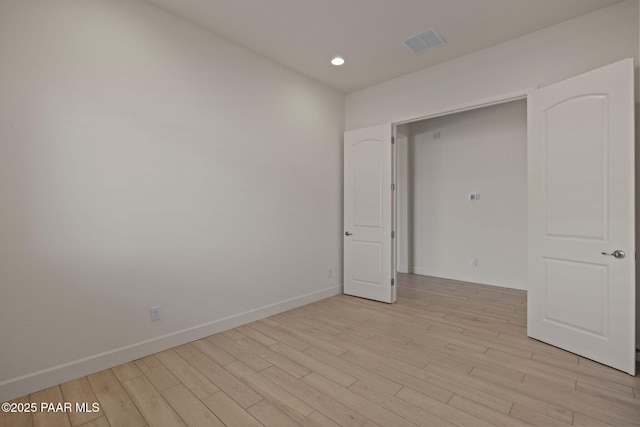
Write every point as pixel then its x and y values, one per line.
pixel 29 383
pixel 474 278
pixel 487 102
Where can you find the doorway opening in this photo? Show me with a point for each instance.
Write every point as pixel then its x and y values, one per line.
pixel 462 195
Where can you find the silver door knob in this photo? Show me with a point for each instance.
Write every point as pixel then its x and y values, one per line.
pixel 616 254
pixel 347 234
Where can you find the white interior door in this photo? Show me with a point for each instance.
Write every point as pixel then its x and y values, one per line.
pixel 368 215
pixel 581 210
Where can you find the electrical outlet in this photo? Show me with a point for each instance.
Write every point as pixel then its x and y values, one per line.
pixel 474 262
pixel 330 273
pixel 155 313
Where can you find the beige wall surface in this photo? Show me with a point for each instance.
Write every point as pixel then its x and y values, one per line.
pixel 144 162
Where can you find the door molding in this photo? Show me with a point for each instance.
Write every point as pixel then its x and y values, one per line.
pixel 468 106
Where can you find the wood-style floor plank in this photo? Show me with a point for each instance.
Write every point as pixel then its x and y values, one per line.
pixel 190 408
pixel 17 418
pixel 233 387
pixel 331 408
pixel 281 335
pixel 316 419
pixel 213 352
pixel 492 416
pixel 80 391
pixel 187 374
pixel 270 416
pixel 239 352
pixel 274 357
pixel 155 409
pixel 98 422
pixel 114 401
pixel 448 354
pixel 49 416
pixel 126 371
pixel 415 414
pixel 280 397
pixel 157 373
pixel 524 414
pixel 229 412
pixel 355 371
pixel 315 365
pixel 356 402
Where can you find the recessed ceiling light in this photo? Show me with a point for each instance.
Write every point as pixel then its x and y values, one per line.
pixel 337 61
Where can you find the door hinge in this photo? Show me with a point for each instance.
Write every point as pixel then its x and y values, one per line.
pixel 393 139
pixel 393 282
pixel 393 234
pixel 393 187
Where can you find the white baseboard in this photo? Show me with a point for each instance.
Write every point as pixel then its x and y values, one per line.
pixel 474 278
pixel 29 383
pixel 403 269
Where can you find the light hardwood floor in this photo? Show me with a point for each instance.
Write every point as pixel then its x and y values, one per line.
pixel 446 354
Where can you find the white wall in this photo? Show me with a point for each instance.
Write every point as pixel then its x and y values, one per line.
pixel 539 58
pixel 144 161
pixel 482 152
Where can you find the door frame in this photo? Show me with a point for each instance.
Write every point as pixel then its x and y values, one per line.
pixel 474 105
pixel 468 106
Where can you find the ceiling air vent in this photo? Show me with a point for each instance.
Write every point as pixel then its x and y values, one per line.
pixel 424 41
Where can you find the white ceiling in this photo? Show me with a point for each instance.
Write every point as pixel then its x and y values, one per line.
pixel 305 34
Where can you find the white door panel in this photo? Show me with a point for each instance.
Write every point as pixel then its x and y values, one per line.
pixel 581 204
pixel 368 264
pixel 367 176
pixel 576 181
pixel 565 280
